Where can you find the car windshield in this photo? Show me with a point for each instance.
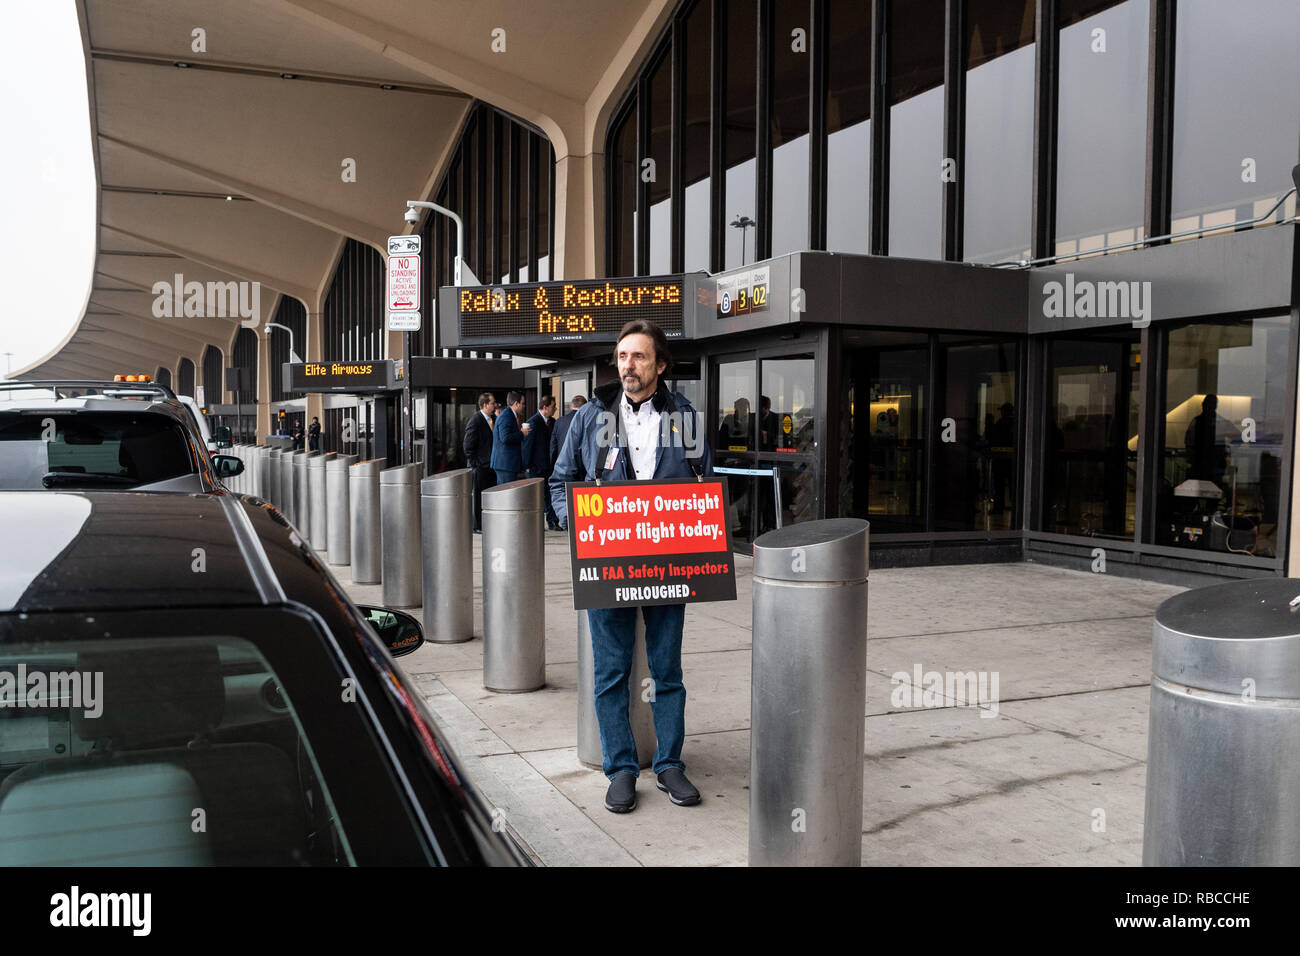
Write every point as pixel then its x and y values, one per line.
pixel 131 752
pixel 90 449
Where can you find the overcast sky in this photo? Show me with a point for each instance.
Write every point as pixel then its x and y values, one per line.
pixel 47 179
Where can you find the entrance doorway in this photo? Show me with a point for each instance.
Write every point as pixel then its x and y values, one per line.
pixel 764 418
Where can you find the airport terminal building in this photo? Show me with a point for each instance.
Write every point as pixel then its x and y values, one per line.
pixel 1011 279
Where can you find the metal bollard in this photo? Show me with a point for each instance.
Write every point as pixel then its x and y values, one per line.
pixel 233 481
pixel 1223 745
pixel 808 694
pixel 363 524
pixel 399 506
pixel 337 502
pixel 263 472
pixel 514 605
pixel 446 502
pixel 302 490
pixel 639 711
pixel 318 532
pixel 273 456
pixel 290 479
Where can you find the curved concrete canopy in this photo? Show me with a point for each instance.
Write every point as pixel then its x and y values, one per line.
pixel 381 84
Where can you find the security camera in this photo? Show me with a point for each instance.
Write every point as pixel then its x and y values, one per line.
pixel 412 216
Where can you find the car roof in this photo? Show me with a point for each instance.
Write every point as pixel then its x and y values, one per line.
pixel 143 402
pixel 151 550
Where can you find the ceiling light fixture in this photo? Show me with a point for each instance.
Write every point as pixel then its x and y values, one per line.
pixel 386 86
pixel 181 65
pixel 288 76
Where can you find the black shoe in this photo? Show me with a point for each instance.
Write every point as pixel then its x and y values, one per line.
pixel 680 791
pixel 621 795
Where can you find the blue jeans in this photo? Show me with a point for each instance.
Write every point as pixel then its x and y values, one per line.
pixel 505 477
pixel 612 633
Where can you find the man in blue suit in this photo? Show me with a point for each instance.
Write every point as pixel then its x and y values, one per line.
pixel 508 440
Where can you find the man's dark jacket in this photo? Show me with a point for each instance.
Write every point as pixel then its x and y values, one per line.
pixel 507 443
pixel 478 442
pixel 537 451
pixel 561 429
pixel 585 448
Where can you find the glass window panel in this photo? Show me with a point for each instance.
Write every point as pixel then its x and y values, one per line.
pixel 496 173
pixel 734 443
pixel 999 129
pixel 623 195
pixel 695 161
pixel 736 403
pixel 1090 461
pixel 799 494
pixel 789 128
pixel 848 126
pixel 528 143
pixel 785 406
pixel 1101 130
pixel 1220 480
pixel 1236 126
pixel 916 55
pixel 545 179
pixel 883 435
pixel 976 487
pixel 660 89
pixel 739 137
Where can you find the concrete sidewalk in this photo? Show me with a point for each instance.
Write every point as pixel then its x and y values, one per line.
pixel 1054 777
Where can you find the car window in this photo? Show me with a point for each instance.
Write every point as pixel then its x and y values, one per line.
pixel 90 449
pixel 147 752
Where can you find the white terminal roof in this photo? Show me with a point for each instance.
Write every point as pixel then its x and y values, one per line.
pixel 172 142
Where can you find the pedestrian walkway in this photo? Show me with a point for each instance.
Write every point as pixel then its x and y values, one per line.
pixel 1053 773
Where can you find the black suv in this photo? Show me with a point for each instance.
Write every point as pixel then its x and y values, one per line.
pixel 102 435
pixel 182 683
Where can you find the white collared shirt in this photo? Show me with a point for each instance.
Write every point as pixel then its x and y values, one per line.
pixel 641 428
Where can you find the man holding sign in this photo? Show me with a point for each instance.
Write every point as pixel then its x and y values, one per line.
pixel 633 430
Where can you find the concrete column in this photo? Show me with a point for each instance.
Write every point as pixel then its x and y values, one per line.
pixel 315 352
pixel 579 231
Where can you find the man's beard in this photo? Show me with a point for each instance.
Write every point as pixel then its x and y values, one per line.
pixel 635 386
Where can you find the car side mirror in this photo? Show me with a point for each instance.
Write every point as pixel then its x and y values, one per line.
pixel 227 466
pixel 221 436
pixel 400 632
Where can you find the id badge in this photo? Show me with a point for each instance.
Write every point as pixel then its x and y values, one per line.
pixel 610 460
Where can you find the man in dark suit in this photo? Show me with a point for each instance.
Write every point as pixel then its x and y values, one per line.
pixel 537 451
pixel 478 451
pixel 508 440
pixel 562 427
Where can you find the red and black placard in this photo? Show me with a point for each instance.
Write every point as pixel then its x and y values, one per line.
pixel 664 541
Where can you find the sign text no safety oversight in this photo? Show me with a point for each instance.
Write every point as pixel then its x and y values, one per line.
pixel 665 541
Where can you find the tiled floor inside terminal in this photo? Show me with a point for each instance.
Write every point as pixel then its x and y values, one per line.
pixel 1055 776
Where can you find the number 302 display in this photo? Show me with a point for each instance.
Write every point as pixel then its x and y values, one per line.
pixel 742 293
